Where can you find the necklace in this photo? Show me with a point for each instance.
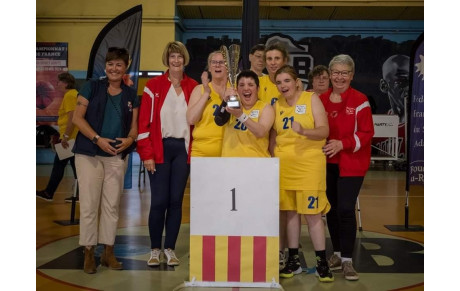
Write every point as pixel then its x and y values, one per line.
pixel 174 85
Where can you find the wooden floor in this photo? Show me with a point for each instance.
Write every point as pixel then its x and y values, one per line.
pixel 382 200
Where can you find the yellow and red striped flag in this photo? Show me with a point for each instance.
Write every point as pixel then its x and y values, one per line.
pixel 234 258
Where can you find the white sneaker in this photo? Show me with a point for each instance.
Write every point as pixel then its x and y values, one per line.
pixel 335 263
pixel 171 257
pixel 349 272
pixel 154 257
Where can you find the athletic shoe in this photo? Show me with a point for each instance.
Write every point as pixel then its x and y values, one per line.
pixel 282 260
pixel 171 256
pixel 154 257
pixel 349 272
pixel 323 272
pixel 335 263
pixel 292 267
pixel 44 195
pixel 69 199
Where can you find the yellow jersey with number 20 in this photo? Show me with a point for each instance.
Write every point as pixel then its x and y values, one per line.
pixel 239 141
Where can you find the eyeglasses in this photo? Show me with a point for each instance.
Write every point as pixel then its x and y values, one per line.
pixel 215 63
pixel 342 73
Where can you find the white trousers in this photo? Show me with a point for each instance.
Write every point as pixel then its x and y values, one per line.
pixel 100 182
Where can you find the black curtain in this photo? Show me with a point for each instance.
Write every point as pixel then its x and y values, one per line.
pixel 249 29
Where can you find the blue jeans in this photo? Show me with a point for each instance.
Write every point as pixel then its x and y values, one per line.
pixel 167 186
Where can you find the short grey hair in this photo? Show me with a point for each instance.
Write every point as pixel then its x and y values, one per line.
pixel 342 60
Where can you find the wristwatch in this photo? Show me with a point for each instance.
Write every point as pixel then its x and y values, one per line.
pixel 95 139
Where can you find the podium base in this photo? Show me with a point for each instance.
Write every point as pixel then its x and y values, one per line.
pixel 195 284
pixel 67 222
pixel 399 228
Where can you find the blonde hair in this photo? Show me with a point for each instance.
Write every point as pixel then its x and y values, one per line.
pixel 175 47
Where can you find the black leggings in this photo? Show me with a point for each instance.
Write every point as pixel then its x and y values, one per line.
pixel 57 173
pixel 167 186
pixel 342 193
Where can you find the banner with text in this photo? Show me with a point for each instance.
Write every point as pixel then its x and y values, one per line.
pixel 52 58
pixel 416 156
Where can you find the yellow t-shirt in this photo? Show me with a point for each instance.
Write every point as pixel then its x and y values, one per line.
pixel 239 141
pixel 207 135
pixel 69 102
pixel 268 92
pixel 302 161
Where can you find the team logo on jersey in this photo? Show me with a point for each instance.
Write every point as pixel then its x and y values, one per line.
pixel 281 112
pixel 157 95
pixel 254 113
pixel 300 109
pixel 350 110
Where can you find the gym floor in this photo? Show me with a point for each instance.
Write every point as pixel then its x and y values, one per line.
pixel 384 259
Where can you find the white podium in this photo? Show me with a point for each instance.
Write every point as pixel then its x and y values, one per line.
pixel 234 222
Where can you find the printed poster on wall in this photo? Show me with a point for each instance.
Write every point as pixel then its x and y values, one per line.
pixel 51 60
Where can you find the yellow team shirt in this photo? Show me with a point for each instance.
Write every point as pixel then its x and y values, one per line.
pixel 207 135
pixel 69 102
pixel 239 141
pixel 268 92
pixel 302 161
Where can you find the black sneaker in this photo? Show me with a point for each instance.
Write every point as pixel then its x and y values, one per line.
pixel 69 199
pixel 282 260
pixel 44 195
pixel 292 267
pixel 323 272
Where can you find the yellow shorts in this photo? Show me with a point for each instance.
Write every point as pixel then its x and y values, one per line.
pixel 304 201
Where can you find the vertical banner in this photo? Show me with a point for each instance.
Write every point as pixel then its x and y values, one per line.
pixel 123 31
pixel 234 222
pixel 416 115
pixel 52 58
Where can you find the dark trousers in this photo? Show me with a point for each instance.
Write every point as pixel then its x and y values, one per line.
pixel 342 193
pixel 167 186
pixel 58 172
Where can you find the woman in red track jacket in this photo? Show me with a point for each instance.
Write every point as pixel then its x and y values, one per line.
pixel 348 152
pixel 164 146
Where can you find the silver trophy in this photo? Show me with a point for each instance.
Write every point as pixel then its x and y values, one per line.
pixel 231 58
